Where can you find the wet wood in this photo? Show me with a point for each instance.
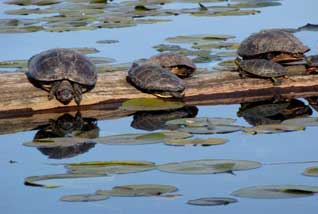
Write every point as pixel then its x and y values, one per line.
pixel 24 107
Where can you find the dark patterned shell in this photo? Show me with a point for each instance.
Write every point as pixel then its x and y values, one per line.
pixel 59 64
pixel 262 68
pixel 154 78
pixel 271 41
pixel 167 60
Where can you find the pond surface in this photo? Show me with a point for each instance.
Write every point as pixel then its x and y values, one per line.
pixel 284 156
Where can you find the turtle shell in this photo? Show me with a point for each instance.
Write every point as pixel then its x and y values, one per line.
pixel 59 64
pixel 271 41
pixel 169 60
pixel 262 68
pixel 153 78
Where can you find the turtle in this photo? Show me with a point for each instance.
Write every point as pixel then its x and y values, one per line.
pixel 64 73
pixel 178 64
pixel 276 45
pixel 261 68
pixel 154 79
pixel 312 63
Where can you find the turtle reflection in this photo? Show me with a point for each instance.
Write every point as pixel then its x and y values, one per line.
pixel 272 111
pixel 154 120
pixel 68 126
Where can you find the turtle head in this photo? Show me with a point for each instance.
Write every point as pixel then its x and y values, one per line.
pixel 237 61
pixel 64 93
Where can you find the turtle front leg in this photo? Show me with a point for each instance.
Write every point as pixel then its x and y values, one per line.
pixel 77 93
pixel 53 89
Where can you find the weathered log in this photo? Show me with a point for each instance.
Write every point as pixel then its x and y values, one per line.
pixel 24 107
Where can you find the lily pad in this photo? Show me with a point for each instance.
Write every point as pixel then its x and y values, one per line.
pixel 208 166
pixel 150 104
pixel 196 141
pixel 107 41
pixel 217 129
pixel 212 201
pixel 137 139
pixel 32 180
pixel 201 121
pixel 276 191
pixel 109 167
pixel 101 60
pixel 14 64
pixel 138 190
pixel 85 50
pixel 272 128
pixel 57 142
pixel 311 171
pixel 83 198
pixel 199 38
pixel 33 2
pixel 302 121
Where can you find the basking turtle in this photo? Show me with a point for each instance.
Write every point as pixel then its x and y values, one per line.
pixel 261 68
pixel 66 74
pixel 156 80
pixel 312 64
pixel 276 45
pixel 178 64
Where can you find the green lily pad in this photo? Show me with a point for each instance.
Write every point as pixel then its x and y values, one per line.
pixel 151 21
pixel 256 4
pixel 109 167
pixel 302 121
pixel 311 171
pixel 107 41
pixel 196 141
pixel 150 104
pixel 57 142
pixel 83 198
pixel 201 121
pixel 208 166
pixel 33 2
pixel 217 129
pixel 212 201
pixel 27 11
pixel 136 139
pixel 276 191
pixel 14 64
pixel 32 180
pixel 272 128
pixel 85 50
pixel 199 38
pixel 21 29
pixel 101 60
pixel 138 190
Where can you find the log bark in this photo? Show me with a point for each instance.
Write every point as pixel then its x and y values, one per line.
pixel 24 107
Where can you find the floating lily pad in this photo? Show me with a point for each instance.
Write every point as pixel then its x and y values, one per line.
pixel 57 142
pixel 150 104
pixel 32 180
pixel 212 201
pixel 276 191
pixel 138 190
pixel 109 167
pixel 311 171
pixel 136 139
pixel 107 41
pixel 85 50
pixel 218 45
pixel 33 2
pixel 256 4
pixel 101 60
pixel 196 141
pixel 14 64
pixel 208 166
pixel 201 121
pixel 199 38
pixel 272 128
pixel 83 198
pixel 302 121
pixel 217 129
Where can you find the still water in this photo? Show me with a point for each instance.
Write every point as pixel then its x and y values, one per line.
pixel 134 43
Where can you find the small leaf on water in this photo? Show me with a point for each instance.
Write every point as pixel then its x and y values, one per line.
pixel 208 166
pixel 196 141
pixel 276 191
pixel 138 190
pixel 311 171
pixel 212 201
pixel 150 104
pixel 83 198
pixel 198 38
pixel 272 128
pixel 107 41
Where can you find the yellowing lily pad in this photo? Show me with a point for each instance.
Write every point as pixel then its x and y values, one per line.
pixel 109 167
pixel 83 198
pixel 212 201
pixel 196 141
pixel 311 171
pixel 208 166
pixel 272 128
pixel 138 190
pixel 150 104
pixel 276 191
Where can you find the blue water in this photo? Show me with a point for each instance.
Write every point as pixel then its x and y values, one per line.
pixel 136 42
